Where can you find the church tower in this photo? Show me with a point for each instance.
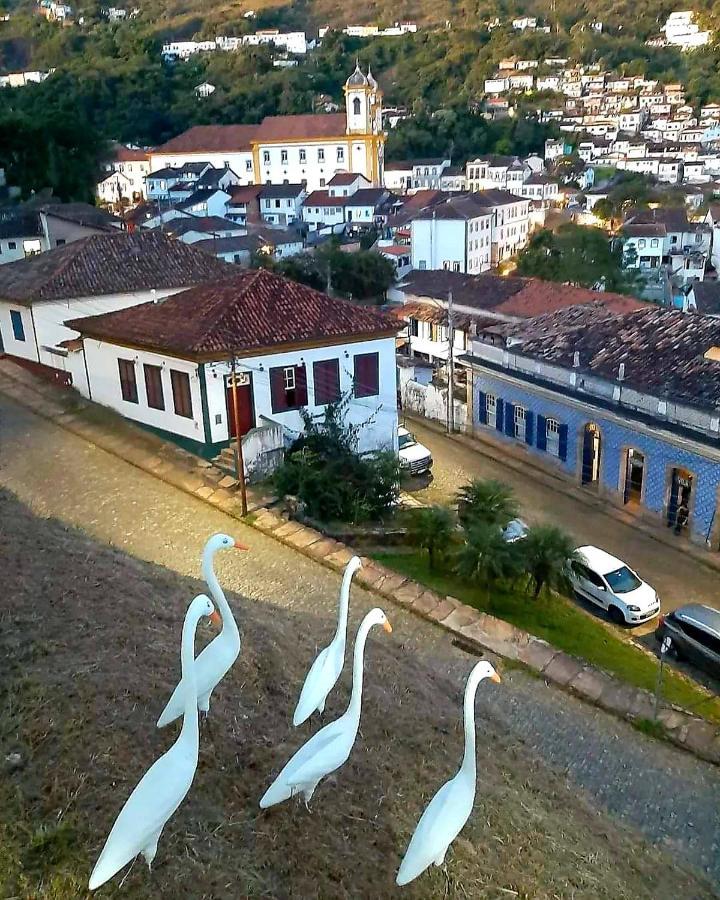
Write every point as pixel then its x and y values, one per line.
pixel 363 114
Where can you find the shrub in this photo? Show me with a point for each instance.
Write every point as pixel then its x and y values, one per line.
pixel 487 557
pixel 486 502
pixel 546 550
pixel 432 529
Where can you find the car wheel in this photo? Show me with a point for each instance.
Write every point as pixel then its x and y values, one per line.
pixel 616 616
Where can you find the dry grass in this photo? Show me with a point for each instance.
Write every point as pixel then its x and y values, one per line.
pixel 90 644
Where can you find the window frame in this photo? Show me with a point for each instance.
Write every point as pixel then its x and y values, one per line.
pixel 519 422
pixel 17 325
pixel 127 372
pixel 179 382
pixel 154 400
pixel 368 389
pixel 326 381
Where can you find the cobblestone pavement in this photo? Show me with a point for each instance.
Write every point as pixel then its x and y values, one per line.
pixel 668 794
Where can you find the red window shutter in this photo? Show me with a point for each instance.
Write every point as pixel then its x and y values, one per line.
pixel 326 381
pixel 301 397
pixel 367 374
pixel 277 390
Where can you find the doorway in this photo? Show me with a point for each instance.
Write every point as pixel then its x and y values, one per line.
pixel 591 449
pixel 634 477
pixel 678 509
pixel 246 410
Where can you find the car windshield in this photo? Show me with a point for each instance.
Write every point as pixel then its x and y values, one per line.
pixel 406 440
pixel 622 580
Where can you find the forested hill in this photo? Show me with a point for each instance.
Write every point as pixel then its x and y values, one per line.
pixel 111 83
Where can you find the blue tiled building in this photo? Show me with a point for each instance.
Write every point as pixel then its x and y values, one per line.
pixel 606 400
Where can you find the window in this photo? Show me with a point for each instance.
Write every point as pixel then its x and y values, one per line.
pixel 128 382
pixel 59 242
pixel 366 378
pixel 321 155
pixel 326 381
pixel 422 265
pixel 552 437
pixel 283 156
pixel 519 423
pixel 12 245
pixel 491 410
pixel 322 182
pixel 182 399
pixel 356 106
pixel 288 388
pixel 699 635
pixel 18 328
pixel 266 157
pixel 277 204
pixel 641 243
pixel 414 330
pixel 303 156
pixel 153 386
pixel 248 165
pixel 456 267
pixel 654 242
pixel 341 154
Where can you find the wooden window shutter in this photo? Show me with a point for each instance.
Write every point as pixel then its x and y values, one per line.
pixel 277 389
pixel 301 397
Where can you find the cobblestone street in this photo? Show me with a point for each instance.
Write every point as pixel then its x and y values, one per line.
pixel 668 794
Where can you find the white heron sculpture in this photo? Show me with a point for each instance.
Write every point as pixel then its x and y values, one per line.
pixel 215 660
pixel 328 665
pixel 450 808
pixel 164 786
pixel 329 749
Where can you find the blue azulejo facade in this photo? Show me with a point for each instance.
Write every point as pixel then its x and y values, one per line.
pixel 639 464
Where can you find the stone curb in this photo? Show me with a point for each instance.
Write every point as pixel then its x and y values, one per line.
pixel 593 685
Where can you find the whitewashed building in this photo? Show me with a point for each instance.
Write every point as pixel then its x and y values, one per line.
pixel 168 365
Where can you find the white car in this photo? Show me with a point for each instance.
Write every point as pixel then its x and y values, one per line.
pixel 414 457
pixel 610 583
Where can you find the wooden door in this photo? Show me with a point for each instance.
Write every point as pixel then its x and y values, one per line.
pixel 246 409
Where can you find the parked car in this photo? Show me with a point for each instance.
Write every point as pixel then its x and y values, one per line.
pixel 610 583
pixel 414 457
pixel 515 530
pixel 695 634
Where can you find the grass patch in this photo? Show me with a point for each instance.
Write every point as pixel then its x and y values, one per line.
pixel 651 728
pixel 563 625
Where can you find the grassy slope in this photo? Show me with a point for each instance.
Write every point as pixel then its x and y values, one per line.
pixel 89 642
pixel 562 624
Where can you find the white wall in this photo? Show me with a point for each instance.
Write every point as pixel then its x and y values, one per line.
pixel 435 242
pixel 26 349
pixel 102 365
pixel 380 433
pixel 313 170
pixel 237 160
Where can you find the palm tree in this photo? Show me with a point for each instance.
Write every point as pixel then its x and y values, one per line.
pixel 431 528
pixel 487 557
pixel 486 501
pixel 546 551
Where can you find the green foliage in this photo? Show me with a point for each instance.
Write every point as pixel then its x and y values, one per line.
pixel 335 483
pixel 575 254
pixel 431 529
pixel 487 558
pixel 546 551
pixel 486 502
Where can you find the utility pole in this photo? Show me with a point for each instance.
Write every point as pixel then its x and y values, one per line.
pixel 450 367
pixel 239 461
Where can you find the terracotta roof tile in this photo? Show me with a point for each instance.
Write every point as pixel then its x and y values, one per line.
pixel 539 297
pixel 251 311
pixel 116 263
pixel 130 154
pixel 292 128
pixel 211 138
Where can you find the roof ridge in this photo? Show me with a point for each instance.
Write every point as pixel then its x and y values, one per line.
pixel 216 322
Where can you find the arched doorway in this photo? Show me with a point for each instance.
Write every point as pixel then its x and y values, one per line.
pixel 591 450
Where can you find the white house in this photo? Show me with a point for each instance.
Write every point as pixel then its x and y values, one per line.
pixel 682 30
pixel 281 204
pixel 643 246
pixel 168 365
pixel 96 274
pixel 455 235
pixel 125 176
pixel 416 174
pixel 348 200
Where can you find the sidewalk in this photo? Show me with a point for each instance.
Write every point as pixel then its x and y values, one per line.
pixel 523 463
pixel 468 625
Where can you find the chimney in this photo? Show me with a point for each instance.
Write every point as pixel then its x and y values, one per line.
pixel 621 372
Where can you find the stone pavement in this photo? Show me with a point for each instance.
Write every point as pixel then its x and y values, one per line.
pixel 670 795
pixel 180 469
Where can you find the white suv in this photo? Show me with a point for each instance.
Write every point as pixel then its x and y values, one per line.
pixel 608 582
pixel 414 457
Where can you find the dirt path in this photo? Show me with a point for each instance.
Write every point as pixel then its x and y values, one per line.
pixel 568 753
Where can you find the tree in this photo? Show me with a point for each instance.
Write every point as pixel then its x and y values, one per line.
pixel 576 254
pixel 487 502
pixel 546 551
pixel 487 557
pixel 432 529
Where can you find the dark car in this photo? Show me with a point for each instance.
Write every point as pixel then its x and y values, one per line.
pixel 695 633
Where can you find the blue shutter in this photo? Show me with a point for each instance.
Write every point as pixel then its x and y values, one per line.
pixel 529 422
pixel 509 420
pixel 541 433
pixel 563 442
pixel 482 408
pixel 499 406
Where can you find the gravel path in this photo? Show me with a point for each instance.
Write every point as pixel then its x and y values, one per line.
pixel 668 794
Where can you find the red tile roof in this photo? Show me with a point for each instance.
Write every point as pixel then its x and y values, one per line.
pixel 292 128
pixel 130 154
pixel 211 139
pixel 246 193
pixel 340 178
pixel 117 263
pixel 541 297
pixel 250 312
